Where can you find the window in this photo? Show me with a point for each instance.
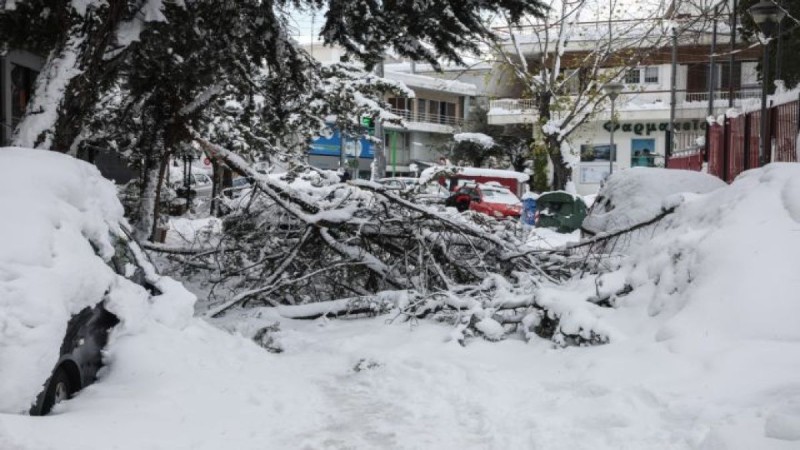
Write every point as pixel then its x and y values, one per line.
pixel 598 152
pixel 422 106
pixel 643 152
pixel 400 103
pixel 574 81
pixel 22 80
pixel 632 77
pixel 651 74
pixel 448 112
pixel 642 75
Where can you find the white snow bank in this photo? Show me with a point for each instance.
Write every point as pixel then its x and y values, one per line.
pixel 726 267
pixel 640 194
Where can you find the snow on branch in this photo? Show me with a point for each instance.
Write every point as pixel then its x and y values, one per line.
pixel 480 139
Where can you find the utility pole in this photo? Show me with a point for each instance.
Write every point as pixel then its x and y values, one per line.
pixel 712 65
pixel 379 163
pixel 672 100
pixel 731 60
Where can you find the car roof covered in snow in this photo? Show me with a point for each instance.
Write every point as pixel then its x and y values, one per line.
pixel 640 194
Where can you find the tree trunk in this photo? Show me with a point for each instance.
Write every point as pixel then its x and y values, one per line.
pixel 562 173
pixel 143 229
pixel 156 211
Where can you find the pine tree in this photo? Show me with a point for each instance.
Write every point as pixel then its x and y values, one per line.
pixel 164 69
pixel 789 41
pixel 84 43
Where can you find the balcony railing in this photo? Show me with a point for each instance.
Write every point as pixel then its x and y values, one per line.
pixel 724 95
pixel 413 116
pixel 514 105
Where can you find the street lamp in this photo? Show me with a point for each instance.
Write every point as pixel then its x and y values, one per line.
pixel 612 90
pixel 767 15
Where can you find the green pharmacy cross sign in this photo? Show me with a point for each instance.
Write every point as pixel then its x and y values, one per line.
pixel 369 124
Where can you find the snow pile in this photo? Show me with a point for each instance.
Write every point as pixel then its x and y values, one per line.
pixel 61 216
pixel 724 268
pixel 57 208
pixel 640 194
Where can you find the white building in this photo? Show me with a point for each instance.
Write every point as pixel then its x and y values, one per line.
pixel 438 109
pixel 643 108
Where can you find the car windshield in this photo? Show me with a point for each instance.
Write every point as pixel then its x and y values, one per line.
pixel 504 196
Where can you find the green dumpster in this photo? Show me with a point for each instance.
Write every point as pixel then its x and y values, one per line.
pixel 560 210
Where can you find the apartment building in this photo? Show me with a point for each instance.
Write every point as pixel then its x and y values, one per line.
pixel 643 109
pixel 438 108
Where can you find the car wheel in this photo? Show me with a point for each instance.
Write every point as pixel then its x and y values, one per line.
pixel 58 389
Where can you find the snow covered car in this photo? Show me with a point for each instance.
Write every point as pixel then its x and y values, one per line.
pixel 399 183
pixel 491 199
pixel 200 185
pixel 68 268
pixel 427 193
pixel 87 334
pixel 635 196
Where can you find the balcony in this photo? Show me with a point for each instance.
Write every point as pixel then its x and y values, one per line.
pixel 741 94
pixel 424 121
pixel 646 105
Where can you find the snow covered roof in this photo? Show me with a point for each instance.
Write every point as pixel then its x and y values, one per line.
pixel 499 173
pixel 435 84
pixel 426 174
pixel 471 64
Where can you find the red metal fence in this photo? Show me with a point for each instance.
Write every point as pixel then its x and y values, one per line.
pixel 691 160
pixel 785 129
pixel 733 147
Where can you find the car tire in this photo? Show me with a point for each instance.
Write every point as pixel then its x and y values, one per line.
pixel 59 388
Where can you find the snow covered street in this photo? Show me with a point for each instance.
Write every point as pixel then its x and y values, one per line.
pixel 400 225
pixel 200 388
pixel 704 353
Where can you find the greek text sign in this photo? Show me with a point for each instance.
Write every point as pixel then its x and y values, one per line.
pixel 645 128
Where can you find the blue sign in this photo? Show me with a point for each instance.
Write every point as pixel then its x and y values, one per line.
pixel 332 146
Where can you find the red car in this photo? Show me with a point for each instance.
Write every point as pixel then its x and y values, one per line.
pixel 490 199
